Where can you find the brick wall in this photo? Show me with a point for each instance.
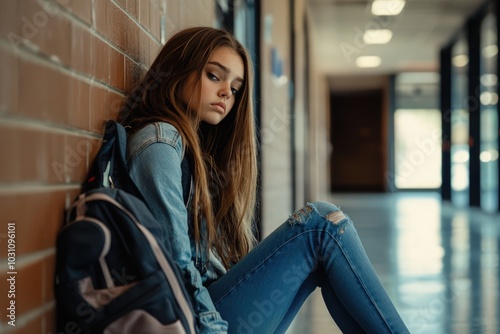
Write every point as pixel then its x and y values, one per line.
pixel 64 68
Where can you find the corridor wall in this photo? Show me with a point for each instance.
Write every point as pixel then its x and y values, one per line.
pixel 65 67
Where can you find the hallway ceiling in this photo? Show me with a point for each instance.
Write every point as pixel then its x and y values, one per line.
pixel 419 32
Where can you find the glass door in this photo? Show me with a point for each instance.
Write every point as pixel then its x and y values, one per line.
pixel 417 131
pixel 460 124
pixel 489 115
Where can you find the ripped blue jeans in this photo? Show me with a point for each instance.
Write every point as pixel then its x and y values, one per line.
pixel 318 246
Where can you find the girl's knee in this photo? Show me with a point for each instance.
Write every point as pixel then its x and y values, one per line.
pixel 329 211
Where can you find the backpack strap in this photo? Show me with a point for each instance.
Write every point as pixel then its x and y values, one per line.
pixel 110 168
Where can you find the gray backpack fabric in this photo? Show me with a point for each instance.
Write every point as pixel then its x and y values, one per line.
pixel 114 272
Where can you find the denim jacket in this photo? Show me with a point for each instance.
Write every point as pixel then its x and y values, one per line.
pixel 155 155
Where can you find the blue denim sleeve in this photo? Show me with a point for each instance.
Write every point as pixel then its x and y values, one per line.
pixel 158 174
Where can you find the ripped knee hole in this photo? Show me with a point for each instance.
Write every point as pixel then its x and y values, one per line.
pixel 298 215
pixel 336 217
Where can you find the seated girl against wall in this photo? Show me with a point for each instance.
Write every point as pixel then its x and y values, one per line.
pixel 194 105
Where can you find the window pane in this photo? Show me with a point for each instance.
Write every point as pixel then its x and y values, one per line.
pixel 417 148
pixel 460 124
pixel 489 115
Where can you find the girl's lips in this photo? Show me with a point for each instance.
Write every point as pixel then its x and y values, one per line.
pixel 221 107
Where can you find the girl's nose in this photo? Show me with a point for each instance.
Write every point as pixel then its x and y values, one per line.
pixel 225 91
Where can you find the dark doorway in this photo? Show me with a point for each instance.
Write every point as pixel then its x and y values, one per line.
pixel 357 161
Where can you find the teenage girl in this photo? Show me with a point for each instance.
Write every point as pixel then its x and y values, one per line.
pixel 192 140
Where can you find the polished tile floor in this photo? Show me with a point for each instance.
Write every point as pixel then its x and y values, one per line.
pixel 439 264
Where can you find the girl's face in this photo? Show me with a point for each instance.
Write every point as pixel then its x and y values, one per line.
pixel 221 80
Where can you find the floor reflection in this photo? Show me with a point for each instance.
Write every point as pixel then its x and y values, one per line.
pixel 439 264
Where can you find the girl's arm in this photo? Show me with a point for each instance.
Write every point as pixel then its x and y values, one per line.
pixel 155 166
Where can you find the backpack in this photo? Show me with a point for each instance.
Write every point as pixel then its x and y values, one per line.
pixel 114 272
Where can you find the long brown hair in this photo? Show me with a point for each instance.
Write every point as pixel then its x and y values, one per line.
pixel 223 156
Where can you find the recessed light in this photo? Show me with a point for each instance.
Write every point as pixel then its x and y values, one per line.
pixel 489 79
pixel 377 36
pixel 488 98
pixel 460 61
pixel 368 61
pixel 490 51
pixel 387 7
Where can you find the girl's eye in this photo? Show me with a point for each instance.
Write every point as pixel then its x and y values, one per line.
pixel 212 76
pixel 234 91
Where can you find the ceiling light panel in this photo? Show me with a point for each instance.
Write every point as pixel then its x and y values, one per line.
pixel 368 61
pixel 377 36
pixel 387 7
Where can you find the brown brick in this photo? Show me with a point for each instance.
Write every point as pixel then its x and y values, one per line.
pixel 42 100
pixel 111 22
pixel 132 47
pixel 101 16
pixel 10 150
pixel 121 3
pixel 143 48
pixel 144 12
pixel 79 104
pixel 57 36
pixel 98 108
pixel 118 26
pixel 123 32
pixel 60 157
pixel 57 98
pixel 44 25
pixel 8 82
pixel 77 151
pixel 132 9
pixel 28 288
pixel 81 9
pixel 30 155
pixel 52 159
pixel 49 267
pixel 132 74
pixel 30 19
pixel 116 69
pixel 8 167
pixel 37 156
pixel 114 102
pixel 50 321
pixel 100 59
pixel 33 78
pixel 9 22
pixel 34 326
pixel 81 49
pixel 44 323
pixel 36 228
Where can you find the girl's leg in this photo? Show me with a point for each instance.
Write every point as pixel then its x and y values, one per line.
pixel 343 319
pixel 317 246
